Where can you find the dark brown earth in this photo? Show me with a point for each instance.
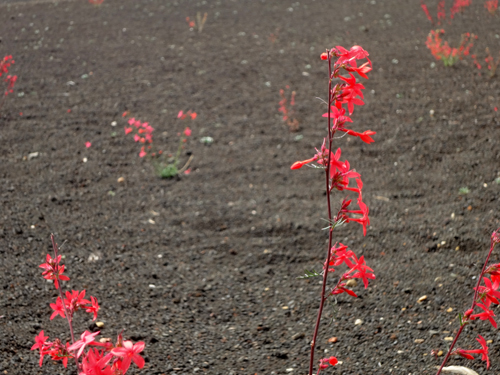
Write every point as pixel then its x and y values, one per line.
pixel 223 247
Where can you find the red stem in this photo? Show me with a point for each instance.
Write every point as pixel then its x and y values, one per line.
pixel 492 245
pixel 330 235
pixel 68 318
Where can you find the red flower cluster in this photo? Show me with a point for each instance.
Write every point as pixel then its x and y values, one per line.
pixel 325 362
pixel 111 360
pixel 72 303
pixel 357 269
pixel 491 5
pixel 457 6
pixel 4 69
pixel 442 51
pixel 143 135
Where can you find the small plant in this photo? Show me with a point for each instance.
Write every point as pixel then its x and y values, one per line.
pixel 9 79
pixel 458 6
pixel 200 21
pixel 105 358
pixel 338 176
pixel 463 190
pixel 492 6
pixel 442 51
pixel 166 166
pixel 491 63
pixel 274 36
pixel 286 107
pixel 484 296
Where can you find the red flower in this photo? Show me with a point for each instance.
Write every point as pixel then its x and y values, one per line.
pixel 53 271
pixel 187 131
pixel 324 56
pixel 323 363
pixel 93 308
pixel 86 338
pixel 58 308
pixel 40 342
pixel 483 351
pixel 130 352
pixel 487 314
pixel 361 270
pixel 365 136
pixel 300 164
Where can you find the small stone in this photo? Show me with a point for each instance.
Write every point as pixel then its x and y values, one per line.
pixel 440 353
pixel 358 322
pixel 419 341
pixel 422 299
pixel 432 333
pixel 33 155
pixel 99 324
pixel 448 338
pixel 332 339
pixel 449 309
pixel 298 336
pixel 351 283
pixel 121 179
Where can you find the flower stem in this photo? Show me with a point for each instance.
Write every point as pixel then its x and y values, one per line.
pixel 474 299
pixel 68 318
pixel 330 234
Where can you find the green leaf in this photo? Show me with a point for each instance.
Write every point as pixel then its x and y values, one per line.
pixel 309 274
pixel 169 171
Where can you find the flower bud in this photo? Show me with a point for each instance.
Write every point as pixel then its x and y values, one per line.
pixel 495 237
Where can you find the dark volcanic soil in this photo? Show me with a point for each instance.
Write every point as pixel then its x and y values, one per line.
pixel 204 268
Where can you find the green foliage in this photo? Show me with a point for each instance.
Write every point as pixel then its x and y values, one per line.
pixel 309 274
pixel 169 171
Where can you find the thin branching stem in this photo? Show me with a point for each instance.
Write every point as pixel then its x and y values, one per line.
pixel 474 301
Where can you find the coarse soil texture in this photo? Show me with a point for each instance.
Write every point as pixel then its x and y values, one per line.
pixel 204 268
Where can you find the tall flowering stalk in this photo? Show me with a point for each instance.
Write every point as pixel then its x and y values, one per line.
pixel 5 63
pixel 344 94
pixel 484 296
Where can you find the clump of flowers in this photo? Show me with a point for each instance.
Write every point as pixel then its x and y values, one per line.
pixel 486 294
pixel 441 50
pixel 165 165
pixel 492 6
pixel 342 97
pixel 91 357
pixel 457 6
pixel 200 21
pixel 491 63
pixel 286 107
pixel 5 63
